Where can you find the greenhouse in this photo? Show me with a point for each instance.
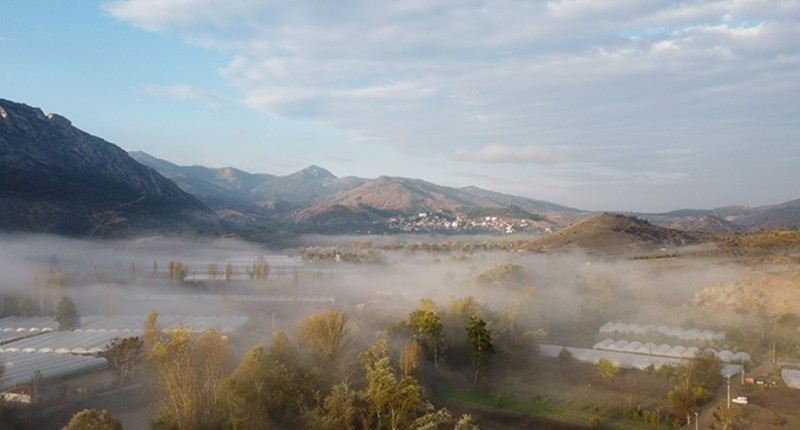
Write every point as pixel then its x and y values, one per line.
pixel 791 377
pixel 637 329
pixel 20 367
pixel 664 350
pixel 624 359
pixel 96 332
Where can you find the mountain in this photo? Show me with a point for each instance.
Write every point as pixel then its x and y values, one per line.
pixel 613 233
pixel 390 197
pixel 315 199
pixel 58 179
pixel 229 190
pixel 784 216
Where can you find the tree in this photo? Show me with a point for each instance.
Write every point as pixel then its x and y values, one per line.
pixel 213 271
pixel 132 272
pixel 409 358
pixel 607 369
pixel 189 371
pixel 324 335
pixel 66 314
pixel 465 423
pixel 503 274
pixel 427 328
pixel 393 403
pixel 482 344
pixel 91 419
pixel 152 331
pixel 123 355
pixel 270 388
pixel 726 416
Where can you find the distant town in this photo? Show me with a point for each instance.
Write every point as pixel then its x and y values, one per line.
pixel 430 222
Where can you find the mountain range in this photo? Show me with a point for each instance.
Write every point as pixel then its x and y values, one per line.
pixel 56 178
pixel 315 199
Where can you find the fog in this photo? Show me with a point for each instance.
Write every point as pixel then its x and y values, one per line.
pixel 570 288
pixel 561 299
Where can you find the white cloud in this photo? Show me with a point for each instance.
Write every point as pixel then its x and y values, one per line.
pixel 496 153
pixel 446 77
pixel 185 92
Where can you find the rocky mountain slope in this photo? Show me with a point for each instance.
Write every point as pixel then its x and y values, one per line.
pixel 58 179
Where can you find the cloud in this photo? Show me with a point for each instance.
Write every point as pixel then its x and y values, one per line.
pixel 496 153
pixel 446 77
pixel 185 92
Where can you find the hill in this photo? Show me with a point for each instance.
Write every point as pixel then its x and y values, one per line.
pixel 58 179
pixel 751 299
pixel 612 233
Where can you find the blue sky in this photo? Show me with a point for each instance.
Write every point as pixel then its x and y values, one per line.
pixel 640 105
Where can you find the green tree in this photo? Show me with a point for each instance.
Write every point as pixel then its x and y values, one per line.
pixel 482 342
pixel 393 403
pixel 67 314
pixel 427 328
pixel 503 274
pixel 270 388
pixel 91 419
pixel 606 369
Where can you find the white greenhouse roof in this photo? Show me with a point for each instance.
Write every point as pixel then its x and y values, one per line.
pixel 624 359
pixel 691 334
pixel 96 332
pixel 791 377
pixel 20 367
pixel 211 298
pixel 664 350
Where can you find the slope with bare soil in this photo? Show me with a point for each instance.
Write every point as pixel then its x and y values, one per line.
pixel 610 233
pixel 749 299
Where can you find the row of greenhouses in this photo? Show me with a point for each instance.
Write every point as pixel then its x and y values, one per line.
pixel 638 329
pixel 676 351
pixel 213 298
pixel 626 360
pixel 680 333
pixel 96 332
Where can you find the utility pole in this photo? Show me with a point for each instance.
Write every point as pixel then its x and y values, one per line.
pixel 742 370
pixel 729 391
pixel 695 421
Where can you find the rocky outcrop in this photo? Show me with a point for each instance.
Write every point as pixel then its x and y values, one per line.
pixel 58 179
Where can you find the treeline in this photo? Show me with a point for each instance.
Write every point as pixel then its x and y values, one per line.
pixel 324 375
pixel 318 382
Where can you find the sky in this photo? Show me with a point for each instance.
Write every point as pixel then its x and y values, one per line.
pixel 626 105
